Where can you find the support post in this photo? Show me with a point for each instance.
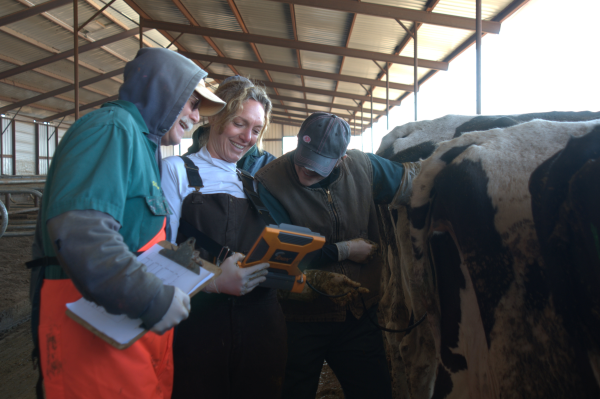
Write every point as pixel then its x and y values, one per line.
pixel 76 56
pixel 14 146
pixel 47 150
pixel 362 131
pixel 387 97
pixel 372 145
pixel 37 148
pixel 416 78
pixel 478 51
pixel 141 34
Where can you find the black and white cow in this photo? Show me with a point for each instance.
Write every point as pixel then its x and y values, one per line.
pixel 565 194
pixel 471 260
pixel 418 140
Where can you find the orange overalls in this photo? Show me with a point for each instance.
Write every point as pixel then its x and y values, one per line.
pixel 77 364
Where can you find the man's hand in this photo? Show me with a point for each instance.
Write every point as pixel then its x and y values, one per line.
pixel 358 250
pixel 177 312
pixel 237 281
pixel 335 284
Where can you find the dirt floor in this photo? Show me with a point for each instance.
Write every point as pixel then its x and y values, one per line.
pixel 17 376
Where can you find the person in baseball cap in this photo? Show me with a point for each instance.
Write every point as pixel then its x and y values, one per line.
pixel 335 191
pixel 322 142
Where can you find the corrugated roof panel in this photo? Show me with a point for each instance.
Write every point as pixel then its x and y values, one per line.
pixel 286 78
pixel 126 48
pixel 318 83
pixel 361 68
pixel 410 4
pixel 346 101
pixel 466 8
pixel 293 104
pixel 118 10
pixel 108 86
pixel 194 44
pixel 323 26
pixel 157 38
pixel 20 50
pixel 101 59
pixel 290 93
pixel 376 34
pixel 318 97
pixel 65 13
pixel 214 14
pixel 266 18
pixel 234 49
pixel 37 80
pixel 8 7
pixel 320 61
pixel 348 87
pixel 256 74
pixel 219 69
pixel 436 42
pixel 163 11
pixel 278 55
pixel 404 74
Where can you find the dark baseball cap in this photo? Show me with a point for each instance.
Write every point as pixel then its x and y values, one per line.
pixel 322 141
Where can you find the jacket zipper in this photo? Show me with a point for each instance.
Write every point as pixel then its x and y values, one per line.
pixel 337 224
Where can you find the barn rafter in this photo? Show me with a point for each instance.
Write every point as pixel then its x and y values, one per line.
pixel 352 58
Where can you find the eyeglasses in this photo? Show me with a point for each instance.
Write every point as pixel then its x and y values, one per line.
pixel 195 101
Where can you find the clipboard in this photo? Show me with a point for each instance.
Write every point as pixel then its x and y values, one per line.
pixel 120 331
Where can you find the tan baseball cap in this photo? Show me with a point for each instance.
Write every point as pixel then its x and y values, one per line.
pixel 210 104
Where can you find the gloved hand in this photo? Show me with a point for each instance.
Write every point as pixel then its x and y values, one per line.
pixel 328 283
pixel 237 281
pixel 177 312
pixel 402 197
pixel 335 284
pixel 358 250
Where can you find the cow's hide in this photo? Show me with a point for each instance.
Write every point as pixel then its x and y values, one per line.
pixel 472 262
pixel 412 142
pixel 477 260
pixel 565 193
pixel 418 140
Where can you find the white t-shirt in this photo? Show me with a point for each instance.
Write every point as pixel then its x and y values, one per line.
pixel 217 176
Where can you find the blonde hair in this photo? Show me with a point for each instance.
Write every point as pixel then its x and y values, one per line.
pixel 235 91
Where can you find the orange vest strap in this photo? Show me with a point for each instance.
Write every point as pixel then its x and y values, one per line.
pixel 161 236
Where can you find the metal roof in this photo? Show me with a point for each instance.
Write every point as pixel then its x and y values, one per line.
pixel 312 55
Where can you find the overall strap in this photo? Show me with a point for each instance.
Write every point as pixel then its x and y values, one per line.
pixel 193 174
pixel 248 184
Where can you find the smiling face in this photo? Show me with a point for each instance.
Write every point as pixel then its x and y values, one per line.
pixel 239 135
pixel 185 121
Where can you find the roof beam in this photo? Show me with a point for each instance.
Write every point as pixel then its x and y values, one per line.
pixel 296 124
pixel 68 53
pixel 278 114
pixel 295 71
pixel 310 111
pixel 30 12
pixel 320 103
pixel 378 10
pixel 306 89
pixel 81 108
pixel 62 90
pixel 293 44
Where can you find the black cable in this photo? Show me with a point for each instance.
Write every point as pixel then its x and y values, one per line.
pixel 406 330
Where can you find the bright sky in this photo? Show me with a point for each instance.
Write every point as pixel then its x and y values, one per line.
pixel 545 58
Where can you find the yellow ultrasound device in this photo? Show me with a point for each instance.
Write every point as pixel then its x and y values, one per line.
pixel 283 247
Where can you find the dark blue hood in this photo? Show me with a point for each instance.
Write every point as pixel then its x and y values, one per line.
pixel 159 82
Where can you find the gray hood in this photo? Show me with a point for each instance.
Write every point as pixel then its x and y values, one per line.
pixel 159 82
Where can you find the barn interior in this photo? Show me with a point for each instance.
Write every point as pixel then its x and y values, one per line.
pixel 61 59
